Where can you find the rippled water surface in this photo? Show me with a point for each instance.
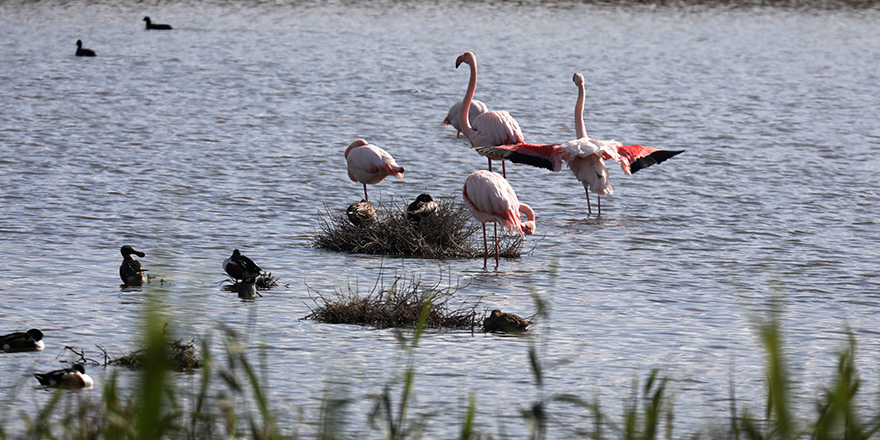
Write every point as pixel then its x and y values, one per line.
pixel 228 132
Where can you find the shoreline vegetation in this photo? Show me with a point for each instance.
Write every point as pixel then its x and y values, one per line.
pixel 231 400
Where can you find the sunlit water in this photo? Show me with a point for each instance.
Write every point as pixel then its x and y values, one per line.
pixel 228 132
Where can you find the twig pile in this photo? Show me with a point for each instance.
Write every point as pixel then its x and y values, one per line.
pixel 179 357
pixel 450 233
pixel 397 305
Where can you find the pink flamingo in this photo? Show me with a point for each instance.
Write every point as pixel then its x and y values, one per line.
pixel 368 163
pixel 452 118
pixel 490 128
pixel 490 198
pixel 585 157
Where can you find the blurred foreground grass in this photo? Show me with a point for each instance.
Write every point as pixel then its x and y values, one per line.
pixel 158 407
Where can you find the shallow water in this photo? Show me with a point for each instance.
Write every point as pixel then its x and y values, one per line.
pixel 228 132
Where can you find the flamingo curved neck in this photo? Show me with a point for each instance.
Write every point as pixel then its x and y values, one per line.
pixel 528 227
pixel 579 127
pixel 464 115
pixel 527 210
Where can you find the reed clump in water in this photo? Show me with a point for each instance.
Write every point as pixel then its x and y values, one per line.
pixel 451 232
pixel 399 304
pixel 179 356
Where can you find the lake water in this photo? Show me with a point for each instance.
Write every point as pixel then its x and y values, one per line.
pixel 229 131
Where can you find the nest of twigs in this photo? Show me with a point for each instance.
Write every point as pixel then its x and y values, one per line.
pixel 265 281
pixel 399 304
pixel 451 232
pixel 179 356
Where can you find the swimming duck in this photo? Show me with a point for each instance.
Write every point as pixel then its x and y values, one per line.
pixel 505 322
pixel 157 27
pixel 423 206
pixel 131 271
pixel 73 377
pixel 240 267
pixel 361 213
pixel 80 52
pixel 31 340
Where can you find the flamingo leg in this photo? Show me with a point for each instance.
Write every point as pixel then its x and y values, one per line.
pixel 503 169
pixel 496 243
pixel 599 202
pixel 589 210
pixel 490 164
pixel 485 247
pixel 366 197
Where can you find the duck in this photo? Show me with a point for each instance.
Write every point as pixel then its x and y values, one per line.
pixel 131 271
pixel 240 267
pixel 361 213
pixel 31 340
pixel 81 52
pixel 422 207
pixel 73 377
pixel 498 321
pixel 157 27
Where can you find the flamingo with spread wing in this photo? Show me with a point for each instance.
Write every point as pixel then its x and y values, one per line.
pixel 585 156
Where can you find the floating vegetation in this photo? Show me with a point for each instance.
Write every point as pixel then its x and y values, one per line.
pixel 179 356
pixel 451 232
pixel 399 304
pixel 265 281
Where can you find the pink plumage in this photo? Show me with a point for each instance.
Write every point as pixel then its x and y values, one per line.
pixel 490 128
pixel 369 164
pixel 477 108
pixel 490 198
pixel 585 156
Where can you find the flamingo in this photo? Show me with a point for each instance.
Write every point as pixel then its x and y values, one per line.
pixel 490 128
pixel 368 163
pixel 585 156
pixel 490 198
pixel 477 109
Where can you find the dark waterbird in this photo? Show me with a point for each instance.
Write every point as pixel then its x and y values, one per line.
pixel 361 213
pixel 31 340
pixel 131 271
pixel 156 26
pixel 240 267
pixel 81 52
pixel 499 321
pixel 422 207
pixel 73 377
